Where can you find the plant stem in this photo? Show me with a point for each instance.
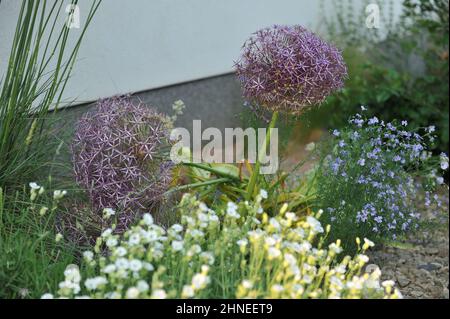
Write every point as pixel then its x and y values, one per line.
pixel 255 174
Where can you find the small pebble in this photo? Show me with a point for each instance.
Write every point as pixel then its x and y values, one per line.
pixel 403 281
pixel 430 266
pixel 433 251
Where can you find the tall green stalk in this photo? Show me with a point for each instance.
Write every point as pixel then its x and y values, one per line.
pixel 255 174
pixel 39 67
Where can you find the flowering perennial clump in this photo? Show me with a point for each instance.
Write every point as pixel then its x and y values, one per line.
pixel 371 179
pixel 118 157
pixel 288 68
pixel 238 251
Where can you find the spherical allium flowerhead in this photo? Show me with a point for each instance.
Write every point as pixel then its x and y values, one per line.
pixel 289 69
pixel 118 157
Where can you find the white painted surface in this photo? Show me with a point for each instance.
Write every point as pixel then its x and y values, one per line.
pixel 138 45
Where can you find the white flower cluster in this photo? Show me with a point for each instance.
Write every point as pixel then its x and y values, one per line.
pixel 208 252
pixel 37 190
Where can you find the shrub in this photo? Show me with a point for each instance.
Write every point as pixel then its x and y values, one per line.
pixel 236 251
pixel 119 157
pixel 407 68
pixel 369 181
pixel 422 101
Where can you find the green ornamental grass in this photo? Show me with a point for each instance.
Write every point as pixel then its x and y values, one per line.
pixel 39 67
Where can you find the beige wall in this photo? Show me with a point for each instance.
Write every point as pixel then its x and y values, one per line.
pixel 138 45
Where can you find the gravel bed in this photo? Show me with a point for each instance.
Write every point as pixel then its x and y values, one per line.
pixel 419 265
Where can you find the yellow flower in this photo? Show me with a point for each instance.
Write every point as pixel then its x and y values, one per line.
pixel 284 209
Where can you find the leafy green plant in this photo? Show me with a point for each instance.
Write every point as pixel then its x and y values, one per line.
pixel 380 72
pixel 217 184
pixel 38 70
pixel 430 19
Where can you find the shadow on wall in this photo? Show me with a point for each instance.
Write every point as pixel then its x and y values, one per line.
pixel 216 101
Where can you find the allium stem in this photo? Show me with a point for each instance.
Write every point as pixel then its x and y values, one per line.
pixel 263 150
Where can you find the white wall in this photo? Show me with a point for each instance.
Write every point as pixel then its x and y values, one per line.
pixel 138 45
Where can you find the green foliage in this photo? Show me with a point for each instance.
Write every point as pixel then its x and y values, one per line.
pixel 381 75
pixel 389 94
pixel 345 23
pixel 216 184
pixel 31 260
pixel 38 70
pixel 429 14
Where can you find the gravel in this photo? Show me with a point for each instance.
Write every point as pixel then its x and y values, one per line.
pixel 419 265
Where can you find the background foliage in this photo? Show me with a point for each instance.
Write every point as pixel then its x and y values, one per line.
pixel 402 75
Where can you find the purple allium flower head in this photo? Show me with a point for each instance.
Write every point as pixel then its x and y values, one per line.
pixel 289 69
pixel 117 157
